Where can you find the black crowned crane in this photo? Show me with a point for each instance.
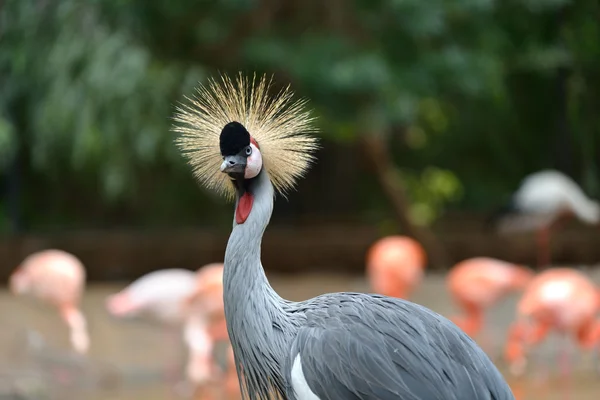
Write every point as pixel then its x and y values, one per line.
pixel 542 199
pixel 247 145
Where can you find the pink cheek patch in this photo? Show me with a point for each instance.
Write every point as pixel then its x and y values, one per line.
pixel 253 163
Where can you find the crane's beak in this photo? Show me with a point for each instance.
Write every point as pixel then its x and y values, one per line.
pixel 234 164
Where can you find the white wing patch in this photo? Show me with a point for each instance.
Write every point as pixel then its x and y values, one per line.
pixel 299 384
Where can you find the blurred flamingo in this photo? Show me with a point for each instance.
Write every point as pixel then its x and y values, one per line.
pixel 231 383
pixel 205 327
pixel 544 198
pixel 58 278
pixel 395 266
pixel 205 323
pixel 559 299
pixel 227 386
pixel 159 295
pixel 476 284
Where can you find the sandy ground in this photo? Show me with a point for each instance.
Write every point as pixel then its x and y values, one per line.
pixel 127 360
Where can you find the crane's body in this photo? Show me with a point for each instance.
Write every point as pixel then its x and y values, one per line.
pixel 334 346
pixel 342 345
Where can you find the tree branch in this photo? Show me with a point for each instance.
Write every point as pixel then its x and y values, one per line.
pixel 391 184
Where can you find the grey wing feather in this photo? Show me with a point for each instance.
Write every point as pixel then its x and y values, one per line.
pixel 380 348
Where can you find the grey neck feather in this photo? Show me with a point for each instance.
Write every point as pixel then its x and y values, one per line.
pixel 259 327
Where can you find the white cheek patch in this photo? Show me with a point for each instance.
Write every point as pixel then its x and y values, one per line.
pixel 253 163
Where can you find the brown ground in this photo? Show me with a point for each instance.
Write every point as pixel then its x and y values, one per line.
pixel 129 355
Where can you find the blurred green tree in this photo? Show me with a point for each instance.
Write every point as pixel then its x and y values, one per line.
pixel 440 96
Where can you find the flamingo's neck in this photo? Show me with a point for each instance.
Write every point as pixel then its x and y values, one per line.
pixel 471 322
pixel 520 277
pixel 589 335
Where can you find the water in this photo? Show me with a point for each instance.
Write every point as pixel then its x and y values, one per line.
pixel 131 360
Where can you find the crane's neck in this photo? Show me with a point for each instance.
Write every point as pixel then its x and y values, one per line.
pixel 243 272
pixel 257 322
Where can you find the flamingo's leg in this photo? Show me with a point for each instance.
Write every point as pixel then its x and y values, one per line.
pixel 565 363
pixel 487 342
pixel 77 324
pixel 464 323
pixel 596 358
pixel 471 323
pixel 514 349
pixel 470 318
pixel 543 242
pixel 202 370
pixel 522 336
pixel 172 370
pixel 537 335
pixel 588 337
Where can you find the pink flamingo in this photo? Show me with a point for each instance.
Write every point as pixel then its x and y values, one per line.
pixel 159 295
pixel 231 383
pixel 476 284
pixel 560 299
pixel 395 266
pixel 228 386
pixel 205 326
pixel 58 278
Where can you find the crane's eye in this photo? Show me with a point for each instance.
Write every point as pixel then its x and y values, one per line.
pixel 248 150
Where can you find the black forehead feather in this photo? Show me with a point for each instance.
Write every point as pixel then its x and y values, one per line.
pixel 234 137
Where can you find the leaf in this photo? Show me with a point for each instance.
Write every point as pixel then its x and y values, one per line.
pixel 7 142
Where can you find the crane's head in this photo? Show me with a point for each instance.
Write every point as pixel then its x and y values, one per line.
pixel 234 130
pixel 242 159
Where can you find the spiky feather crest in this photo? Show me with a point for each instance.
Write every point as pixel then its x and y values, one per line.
pixel 280 126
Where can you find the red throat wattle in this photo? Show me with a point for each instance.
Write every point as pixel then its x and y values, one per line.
pixel 244 207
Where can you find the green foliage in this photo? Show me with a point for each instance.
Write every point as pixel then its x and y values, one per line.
pixel 465 90
pixel 90 99
pixel 7 141
pixel 431 190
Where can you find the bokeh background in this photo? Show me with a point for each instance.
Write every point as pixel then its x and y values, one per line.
pixel 431 113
